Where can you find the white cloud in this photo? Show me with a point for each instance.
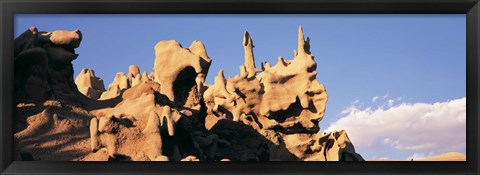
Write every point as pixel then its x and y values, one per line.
pixel 380 158
pixel 439 127
pixel 374 99
pixel 355 102
pixel 390 142
pixel 416 156
pixel 386 95
pixel 390 103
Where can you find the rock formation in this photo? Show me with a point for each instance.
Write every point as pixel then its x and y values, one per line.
pixel 43 68
pixel 49 117
pixel 178 69
pixel 284 103
pixel 170 114
pixel 122 82
pixel 89 85
pixel 249 57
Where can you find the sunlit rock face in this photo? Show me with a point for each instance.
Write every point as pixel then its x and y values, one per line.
pixel 180 71
pixel 122 82
pixel 89 85
pixel 283 103
pixel 171 114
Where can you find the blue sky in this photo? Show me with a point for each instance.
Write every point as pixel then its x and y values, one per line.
pixel 364 61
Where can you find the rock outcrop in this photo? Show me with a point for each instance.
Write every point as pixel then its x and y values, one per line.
pixel 43 65
pixel 263 114
pixel 178 69
pixel 283 103
pixel 50 122
pixel 89 85
pixel 123 82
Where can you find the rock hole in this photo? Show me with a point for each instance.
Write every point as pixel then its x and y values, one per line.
pixel 183 84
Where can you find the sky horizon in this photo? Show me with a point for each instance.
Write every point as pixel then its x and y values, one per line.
pixel 388 77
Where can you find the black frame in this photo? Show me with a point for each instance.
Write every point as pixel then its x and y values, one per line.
pixel 10 7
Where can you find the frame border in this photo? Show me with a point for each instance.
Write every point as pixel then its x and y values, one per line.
pixel 8 8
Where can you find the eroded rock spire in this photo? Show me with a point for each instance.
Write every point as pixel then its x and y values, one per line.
pixel 249 57
pixel 303 45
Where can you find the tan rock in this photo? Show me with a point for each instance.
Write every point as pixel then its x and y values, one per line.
pixel 150 118
pixel 249 57
pixel 190 158
pixel 145 77
pixel 113 91
pixel 153 148
pixel 175 67
pixel 450 156
pixel 94 140
pixel 171 114
pixel 289 84
pixel 70 39
pixel 133 76
pixel 285 98
pixel 122 82
pixel 89 85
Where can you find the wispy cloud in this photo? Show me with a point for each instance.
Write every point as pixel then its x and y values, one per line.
pixel 355 102
pixel 416 156
pixel 374 99
pixel 386 95
pixel 380 158
pixel 429 127
pixel 390 102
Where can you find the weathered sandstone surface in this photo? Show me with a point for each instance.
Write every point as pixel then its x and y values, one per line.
pixel 263 114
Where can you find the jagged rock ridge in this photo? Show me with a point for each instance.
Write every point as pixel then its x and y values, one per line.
pixel 263 114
